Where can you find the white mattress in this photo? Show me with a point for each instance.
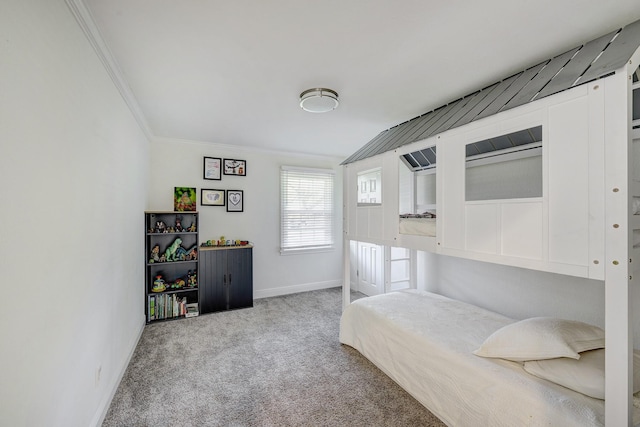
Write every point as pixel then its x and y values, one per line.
pixel 418 226
pixel 424 342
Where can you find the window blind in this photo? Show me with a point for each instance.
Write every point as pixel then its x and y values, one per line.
pixel 306 209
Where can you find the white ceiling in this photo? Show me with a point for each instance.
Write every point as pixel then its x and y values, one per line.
pixel 231 72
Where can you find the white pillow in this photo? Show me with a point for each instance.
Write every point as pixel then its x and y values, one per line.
pixel 585 375
pixel 542 338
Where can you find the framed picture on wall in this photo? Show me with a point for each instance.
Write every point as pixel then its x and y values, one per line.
pixel 210 197
pixel 235 167
pixel 235 201
pixel 184 199
pixel 212 167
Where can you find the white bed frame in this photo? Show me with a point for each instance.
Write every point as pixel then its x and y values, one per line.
pixel 582 226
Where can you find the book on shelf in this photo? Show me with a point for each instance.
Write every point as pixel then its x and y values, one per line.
pixel 165 306
pixel 152 308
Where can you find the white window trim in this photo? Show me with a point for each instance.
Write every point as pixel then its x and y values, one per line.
pixel 325 247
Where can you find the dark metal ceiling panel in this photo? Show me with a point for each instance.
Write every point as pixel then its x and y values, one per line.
pixel 453 107
pixel 577 66
pixel 421 159
pixel 424 128
pixel 385 139
pixel 521 80
pixel 471 150
pixel 502 142
pixel 428 131
pixel 599 57
pixel 409 127
pixel 391 138
pixel 430 154
pixel 409 158
pixel 412 126
pixel 491 93
pixel 396 132
pixel 359 155
pixel 522 137
pixel 381 145
pixel 372 147
pixel 536 132
pixel 420 122
pixel 484 146
pixel 528 93
pixel 472 101
pixel 616 54
pixel 507 141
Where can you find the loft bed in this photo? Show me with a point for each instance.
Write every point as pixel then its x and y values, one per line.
pixel 573 128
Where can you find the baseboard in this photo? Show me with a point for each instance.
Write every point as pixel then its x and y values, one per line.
pixel 274 292
pixel 103 408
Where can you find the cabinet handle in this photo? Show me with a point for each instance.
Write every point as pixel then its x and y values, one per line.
pixel 229 278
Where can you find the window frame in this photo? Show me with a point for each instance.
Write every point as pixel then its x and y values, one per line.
pixel 327 244
pixel 364 177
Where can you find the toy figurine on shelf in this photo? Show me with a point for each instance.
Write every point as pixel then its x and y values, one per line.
pixel 172 250
pixel 158 284
pixel 191 279
pixel 183 254
pixel 178 226
pixel 160 227
pixel 155 254
pixel 192 228
pixel 178 284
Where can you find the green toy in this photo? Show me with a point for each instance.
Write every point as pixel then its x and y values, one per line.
pixel 171 251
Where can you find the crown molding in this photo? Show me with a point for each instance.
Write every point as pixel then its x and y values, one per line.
pixel 247 149
pixel 85 20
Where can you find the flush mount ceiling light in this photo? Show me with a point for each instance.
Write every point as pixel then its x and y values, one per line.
pixel 319 100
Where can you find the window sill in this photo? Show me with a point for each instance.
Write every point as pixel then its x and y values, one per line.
pixel 302 251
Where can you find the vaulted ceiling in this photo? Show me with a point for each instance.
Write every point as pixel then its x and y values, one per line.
pixel 231 72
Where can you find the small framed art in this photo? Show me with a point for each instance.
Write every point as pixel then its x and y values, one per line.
pixel 235 167
pixel 235 201
pixel 212 167
pixel 184 199
pixel 212 197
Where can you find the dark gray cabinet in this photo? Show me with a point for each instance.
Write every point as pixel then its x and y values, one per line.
pixel 225 278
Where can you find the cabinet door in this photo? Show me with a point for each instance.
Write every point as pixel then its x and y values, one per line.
pixel 240 277
pixel 213 295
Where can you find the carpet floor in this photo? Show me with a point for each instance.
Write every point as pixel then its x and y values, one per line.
pixel 278 363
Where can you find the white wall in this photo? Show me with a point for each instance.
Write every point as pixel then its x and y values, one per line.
pixel 74 167
pixel 177 163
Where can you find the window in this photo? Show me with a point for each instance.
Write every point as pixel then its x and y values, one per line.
pixel 369 187
pixel 306 209
pixel 417 182
pixel 505 167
